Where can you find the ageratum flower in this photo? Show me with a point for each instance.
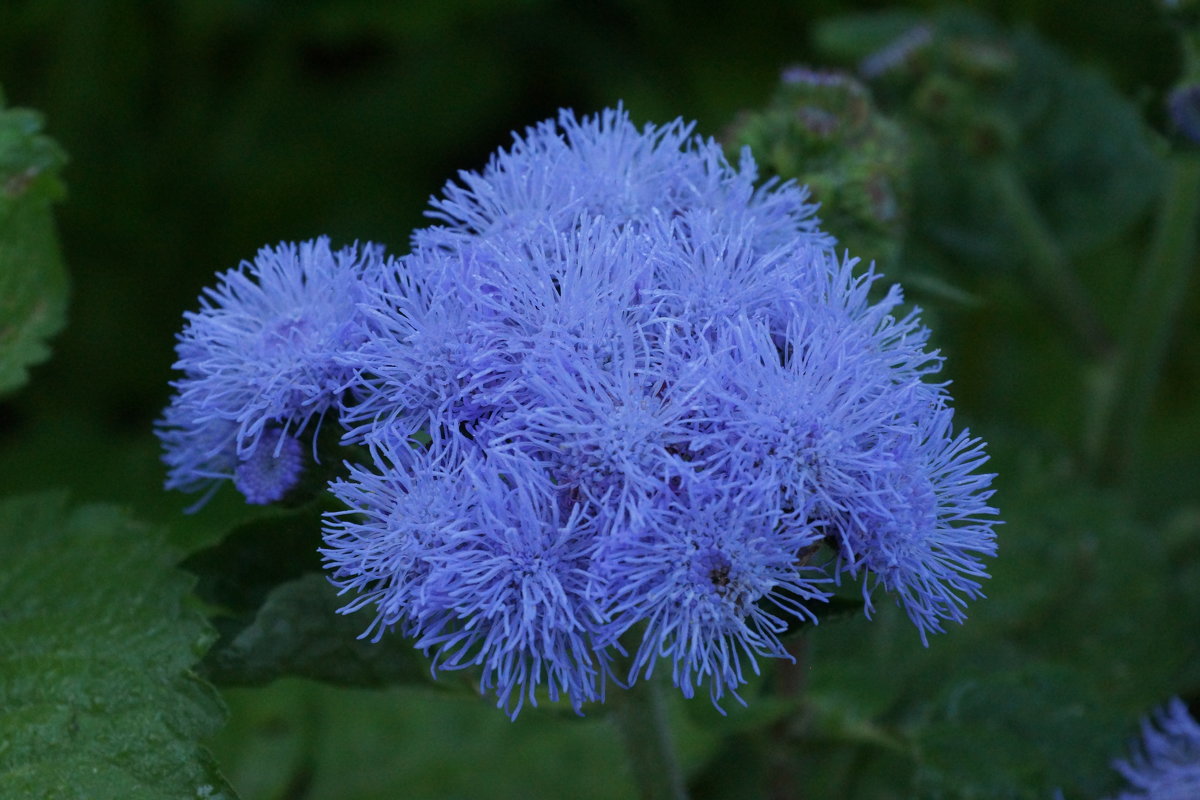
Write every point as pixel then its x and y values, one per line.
pixel 264 357
pixel 1165 764
pixel 479 563
pixel 565 170
pixel 619 400
pixel 712 575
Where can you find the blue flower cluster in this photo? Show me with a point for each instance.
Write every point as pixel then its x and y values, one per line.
pixel 623 403
pixel 267 356
pixel 1165 765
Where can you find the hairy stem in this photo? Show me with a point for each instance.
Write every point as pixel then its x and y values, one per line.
pixel 641 717
pixel 786 734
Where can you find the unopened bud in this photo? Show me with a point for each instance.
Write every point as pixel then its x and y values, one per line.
pixel 1183 104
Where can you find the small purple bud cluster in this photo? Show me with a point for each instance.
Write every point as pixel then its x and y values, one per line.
pixel 618 402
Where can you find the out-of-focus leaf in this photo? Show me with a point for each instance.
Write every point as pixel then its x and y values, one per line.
pixel 1090 188
pixel 97 696
pixel 33 282
pixel 297 632
pixel 838 607
pixel 970 94
pixel 1014 735
pixel 409 742
pixel 238 573
pixel 1111 595
pixel 1039 119
pixel 853 37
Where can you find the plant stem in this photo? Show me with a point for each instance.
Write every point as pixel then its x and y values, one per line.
pixel 791 683
pixel 1050 268
pixel 641 717
pixel 1126 388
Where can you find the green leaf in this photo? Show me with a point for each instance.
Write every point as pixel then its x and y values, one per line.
pixel 1014 735
pixel 299 632
pixel 33 282
pixel 1082 581
pixel 1038 119
pixel 970 94
pixel 97 696
pixel 238 573
pixel 852 37
pixel 411 742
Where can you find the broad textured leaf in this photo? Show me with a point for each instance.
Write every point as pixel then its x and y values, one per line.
pixel 97 696
pixel 299 633
pixel 1113 594
pixel 33 283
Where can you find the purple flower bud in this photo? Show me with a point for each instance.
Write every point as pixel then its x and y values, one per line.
pixel 271 470
pixel 1184 106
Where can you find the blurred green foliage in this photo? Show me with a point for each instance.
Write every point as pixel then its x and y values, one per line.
pixel 1037 151
pixel 822 129
pixel 33 283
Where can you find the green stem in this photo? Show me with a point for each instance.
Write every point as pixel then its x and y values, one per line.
pixel 791 682
pixel 1049 267
pixel 1126 387
pixel 641 717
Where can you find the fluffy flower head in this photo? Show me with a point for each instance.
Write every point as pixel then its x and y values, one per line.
pixel 647 392
pixel 1165 764
pixel 265 355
